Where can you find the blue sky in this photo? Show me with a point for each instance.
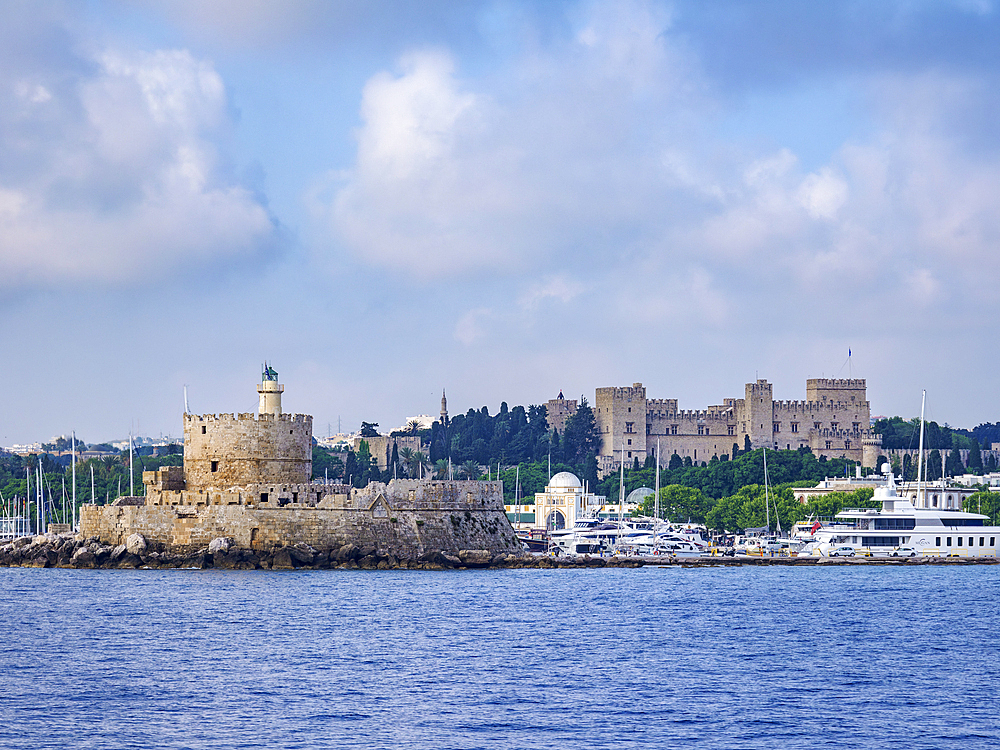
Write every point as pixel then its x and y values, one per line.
pixel 504 199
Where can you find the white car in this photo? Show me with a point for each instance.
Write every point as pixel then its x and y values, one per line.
pixel 905 552
pixel 842 552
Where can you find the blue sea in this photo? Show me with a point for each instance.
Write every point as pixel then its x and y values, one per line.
pixel 846 657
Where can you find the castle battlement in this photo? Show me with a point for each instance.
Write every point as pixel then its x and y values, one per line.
pixel 302 419
pixel 838 433
pixel 846 383
pixel 636 391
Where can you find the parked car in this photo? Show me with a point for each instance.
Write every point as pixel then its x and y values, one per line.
pixel 905 552
pixel 843 552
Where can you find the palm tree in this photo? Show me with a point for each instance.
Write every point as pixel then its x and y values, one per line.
pixel 441 468
pixel 470 470
pixel 419 461
pixel 413 427
pixel 406 457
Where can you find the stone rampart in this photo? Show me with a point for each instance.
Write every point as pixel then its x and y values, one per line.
pixel 405 518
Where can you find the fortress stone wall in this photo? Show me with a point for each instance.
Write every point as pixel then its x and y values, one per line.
pixel 248 478
pixel 405 518
pixel 832 421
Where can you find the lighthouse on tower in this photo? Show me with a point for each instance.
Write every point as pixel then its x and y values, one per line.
pixel 270 392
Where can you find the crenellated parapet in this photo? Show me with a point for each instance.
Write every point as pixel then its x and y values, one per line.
pixel 236 450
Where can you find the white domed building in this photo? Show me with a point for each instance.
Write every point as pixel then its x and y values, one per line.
pixel 564 500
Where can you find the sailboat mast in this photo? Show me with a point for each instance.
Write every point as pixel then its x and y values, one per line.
pixel 131 480
pixel 621 496
pixel 517 490
pixel 656 497
pixel 921 501
pixel 74 481
pixel 767 500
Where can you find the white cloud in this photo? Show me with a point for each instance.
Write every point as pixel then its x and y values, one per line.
pixel 559 288
pixel 823 193
pixel 469 328
pixel 114 173
pixel 594 158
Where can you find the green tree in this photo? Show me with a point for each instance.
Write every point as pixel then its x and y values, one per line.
pixel 679 504
pixel 406 456
pixel 933 465
pixel 953 465
pixel 470 470
pixel 675 462
pixel 985 502
pixel 441 469
pixel 581 438
pixel 975 460
pixel 369 429
pixel 746 509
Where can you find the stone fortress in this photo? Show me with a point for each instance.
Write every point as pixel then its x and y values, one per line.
pixel 247 478
pixel 833 421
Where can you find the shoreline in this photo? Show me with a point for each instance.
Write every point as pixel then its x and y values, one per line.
pixel 52 551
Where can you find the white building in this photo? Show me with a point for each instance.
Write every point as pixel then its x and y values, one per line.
pixel 564 500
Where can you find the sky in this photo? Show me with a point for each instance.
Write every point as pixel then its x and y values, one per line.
pixel 504 199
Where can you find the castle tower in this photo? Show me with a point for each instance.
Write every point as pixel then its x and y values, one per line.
pixel 620 414
pixel 871 448
pixel 227 450
pixel 270 392
pixel 758 414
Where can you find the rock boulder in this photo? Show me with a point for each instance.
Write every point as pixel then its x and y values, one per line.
pixel 135 544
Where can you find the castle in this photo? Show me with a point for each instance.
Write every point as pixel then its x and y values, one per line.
pixel 833 421
pixel 247 478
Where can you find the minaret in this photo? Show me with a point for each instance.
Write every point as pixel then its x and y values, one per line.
pixel 444 409
pixel 270 392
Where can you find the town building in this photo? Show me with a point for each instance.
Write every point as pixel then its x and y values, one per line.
pixel 939 493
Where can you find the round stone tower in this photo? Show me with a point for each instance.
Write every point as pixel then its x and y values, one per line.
pixel 227 450
pixel 871 448
pixel 270 392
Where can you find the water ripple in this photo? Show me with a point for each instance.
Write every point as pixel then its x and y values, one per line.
pixel 732 658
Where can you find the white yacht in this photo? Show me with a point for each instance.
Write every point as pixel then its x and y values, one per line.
pixel 900 524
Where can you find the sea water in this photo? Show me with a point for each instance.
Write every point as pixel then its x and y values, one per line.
pixel 846 657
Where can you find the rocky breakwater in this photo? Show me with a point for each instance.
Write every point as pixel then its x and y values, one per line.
pixel 68 551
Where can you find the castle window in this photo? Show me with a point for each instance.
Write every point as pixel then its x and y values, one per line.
pixel 816 425
pixel 673 429
pixel 706 430
pixel 630 427
pixel 701 429
pixel 732 429
pixel 847 445
pixel 795 426
pixel 215 465
pixel 833 425
pixel 777 427
pixel 855 426
pixel 829 444
pixel 295 497
pixel 630 441
pixel 263 499
pixel 204 429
